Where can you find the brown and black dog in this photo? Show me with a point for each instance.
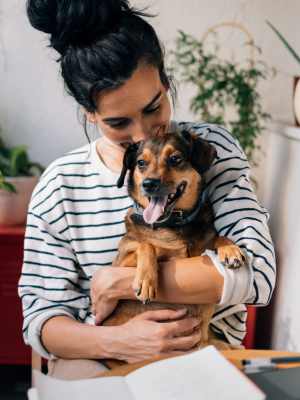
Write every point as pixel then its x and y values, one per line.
pixel 170 219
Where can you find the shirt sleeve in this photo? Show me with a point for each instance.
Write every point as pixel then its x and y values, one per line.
pixel 240 217
pixel 48 285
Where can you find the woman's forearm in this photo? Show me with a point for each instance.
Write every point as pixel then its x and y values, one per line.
pixel 191 281
pixel 188 281
pixel 67 338
pixel 140 338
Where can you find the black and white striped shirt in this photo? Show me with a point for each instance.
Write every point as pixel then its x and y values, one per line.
pixel 76 220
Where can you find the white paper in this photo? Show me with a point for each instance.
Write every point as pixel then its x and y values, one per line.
pixel 203 374
pixel 32 394
pixel 108 388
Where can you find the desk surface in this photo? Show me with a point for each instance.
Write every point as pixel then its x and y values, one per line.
pixel 234 356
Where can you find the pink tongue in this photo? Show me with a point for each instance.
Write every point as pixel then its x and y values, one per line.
pixel 155 209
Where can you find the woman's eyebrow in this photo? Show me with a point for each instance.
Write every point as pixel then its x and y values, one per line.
pixel 117 119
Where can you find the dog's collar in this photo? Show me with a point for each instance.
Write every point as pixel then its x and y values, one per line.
pixel 175 219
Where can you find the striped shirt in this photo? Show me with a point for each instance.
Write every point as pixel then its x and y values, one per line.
pixel 76 220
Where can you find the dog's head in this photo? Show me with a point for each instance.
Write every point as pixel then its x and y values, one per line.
pixel 166 172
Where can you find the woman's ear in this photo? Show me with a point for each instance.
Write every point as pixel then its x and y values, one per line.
pixel 90 117
pixel 128 162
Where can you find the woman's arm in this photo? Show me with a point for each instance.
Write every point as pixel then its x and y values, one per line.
pixel 240 217
pixel 48 285
pixel 187 281
pixel 67 338
pixel 191 281
pixel 144 336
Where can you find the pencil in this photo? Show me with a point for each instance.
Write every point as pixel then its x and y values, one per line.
pixel 272 360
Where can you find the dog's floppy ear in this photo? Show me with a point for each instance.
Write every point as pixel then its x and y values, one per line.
pixel 128 162
pixel 202 153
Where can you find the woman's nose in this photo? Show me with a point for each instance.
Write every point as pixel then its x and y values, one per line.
pixel 144 132
pixel 140 136
pixel 140 132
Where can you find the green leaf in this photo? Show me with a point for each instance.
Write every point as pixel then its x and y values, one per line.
pixel 284 41
pixel 19 161
pixel 5 161
pixel 35 169
pixel 8 187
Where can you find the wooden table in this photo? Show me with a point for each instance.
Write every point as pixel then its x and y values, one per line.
pixel 234 356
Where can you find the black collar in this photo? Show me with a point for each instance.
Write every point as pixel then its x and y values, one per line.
pixel 176 218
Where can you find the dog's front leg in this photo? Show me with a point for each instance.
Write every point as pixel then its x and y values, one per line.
pixel 146 278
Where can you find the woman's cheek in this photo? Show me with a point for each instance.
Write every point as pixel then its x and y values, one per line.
pixel 166 112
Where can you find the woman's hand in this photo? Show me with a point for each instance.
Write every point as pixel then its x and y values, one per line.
pixel 146 335
pixel 108 285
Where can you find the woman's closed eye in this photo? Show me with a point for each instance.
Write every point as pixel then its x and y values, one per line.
pixel 152 109
pixel 120 124
pixel 123 123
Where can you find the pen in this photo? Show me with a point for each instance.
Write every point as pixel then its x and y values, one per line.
pixel 271 360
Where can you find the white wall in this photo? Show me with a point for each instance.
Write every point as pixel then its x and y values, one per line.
pixel 34 109
pixel 281 196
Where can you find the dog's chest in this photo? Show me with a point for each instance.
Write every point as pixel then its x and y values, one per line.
pixel 169 243
pixel 189 240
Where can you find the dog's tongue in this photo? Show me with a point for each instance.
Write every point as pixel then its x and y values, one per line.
pixel 155 209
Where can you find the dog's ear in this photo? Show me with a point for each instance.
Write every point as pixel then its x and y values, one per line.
pixel 202 153
pixel 128 162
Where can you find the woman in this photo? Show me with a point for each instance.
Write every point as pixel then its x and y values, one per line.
pixel 112 63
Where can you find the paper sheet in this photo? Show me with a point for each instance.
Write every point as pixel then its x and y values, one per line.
pixel 203 374
pixel 109 388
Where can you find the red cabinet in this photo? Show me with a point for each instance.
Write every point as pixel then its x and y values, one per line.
pixel 249 341
pixel 12 347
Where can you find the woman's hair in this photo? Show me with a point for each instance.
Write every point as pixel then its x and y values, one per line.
pixel 101 43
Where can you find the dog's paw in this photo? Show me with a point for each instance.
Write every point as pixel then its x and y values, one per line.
pixel 231 256
pixel 145 286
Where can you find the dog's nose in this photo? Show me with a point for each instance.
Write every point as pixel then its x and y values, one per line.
pixel 151 185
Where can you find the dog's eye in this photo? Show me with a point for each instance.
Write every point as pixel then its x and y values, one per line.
pixel 141 163
pixel 175 160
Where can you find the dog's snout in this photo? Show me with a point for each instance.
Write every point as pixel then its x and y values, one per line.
pixel 151 185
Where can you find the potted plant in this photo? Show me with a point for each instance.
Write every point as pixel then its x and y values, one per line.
pixel 296 78
pixel 18 176
pixel 221 86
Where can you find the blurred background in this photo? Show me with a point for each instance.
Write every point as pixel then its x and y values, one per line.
pixel 36 112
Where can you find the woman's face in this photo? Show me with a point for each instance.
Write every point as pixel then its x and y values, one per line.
pixel 136 110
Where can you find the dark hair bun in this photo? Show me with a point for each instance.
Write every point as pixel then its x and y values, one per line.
pixel 75 22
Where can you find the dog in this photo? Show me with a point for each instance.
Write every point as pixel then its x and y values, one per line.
pixel 170 219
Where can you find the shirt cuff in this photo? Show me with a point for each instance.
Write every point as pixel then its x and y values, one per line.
pixel 237 282
pixel 35 328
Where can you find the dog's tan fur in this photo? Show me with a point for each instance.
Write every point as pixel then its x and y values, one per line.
pixel 144 248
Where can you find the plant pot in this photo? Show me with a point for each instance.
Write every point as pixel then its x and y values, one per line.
pixel 13 206
pixel 297 99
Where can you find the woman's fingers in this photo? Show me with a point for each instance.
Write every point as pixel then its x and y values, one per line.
pixel 149 335
pixel 182 327
pixel 183 343
pixel 104 309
